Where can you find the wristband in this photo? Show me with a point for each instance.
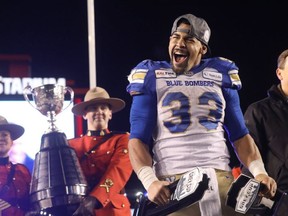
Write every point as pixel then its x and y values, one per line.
pixel 256 167
pixel 147 176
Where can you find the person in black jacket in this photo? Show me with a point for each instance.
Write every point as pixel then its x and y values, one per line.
pixel 267 121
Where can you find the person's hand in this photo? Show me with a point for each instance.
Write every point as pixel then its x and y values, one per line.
pixel 270 188
pixel 159 193
pixel 86 208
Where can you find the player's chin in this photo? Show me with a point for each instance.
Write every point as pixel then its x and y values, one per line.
pixel 178 68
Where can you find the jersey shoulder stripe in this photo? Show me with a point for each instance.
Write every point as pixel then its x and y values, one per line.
pixel 139 74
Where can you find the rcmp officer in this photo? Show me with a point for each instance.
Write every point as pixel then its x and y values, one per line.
pixel 103 156
pixel 14 177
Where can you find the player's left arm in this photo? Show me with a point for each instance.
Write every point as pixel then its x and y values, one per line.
pixel 243 143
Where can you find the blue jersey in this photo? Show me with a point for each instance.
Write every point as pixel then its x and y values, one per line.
pixel 186 113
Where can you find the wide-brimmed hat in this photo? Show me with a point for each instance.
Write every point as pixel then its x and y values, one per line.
pixel 98 95
pixel 15 130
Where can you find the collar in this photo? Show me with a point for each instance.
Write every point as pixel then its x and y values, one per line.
pixel 97 132
pixel 4 161
pixel 282 92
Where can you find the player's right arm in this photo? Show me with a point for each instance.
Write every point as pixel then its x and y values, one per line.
pixel 143 117
pixel 142 123
pixel 142 164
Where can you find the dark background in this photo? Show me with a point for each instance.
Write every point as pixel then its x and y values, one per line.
pixel 55 34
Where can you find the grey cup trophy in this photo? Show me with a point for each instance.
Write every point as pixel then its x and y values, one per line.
pixel 49 100
pixel 58 184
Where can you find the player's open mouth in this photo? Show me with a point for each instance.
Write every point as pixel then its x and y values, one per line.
pixel 179 58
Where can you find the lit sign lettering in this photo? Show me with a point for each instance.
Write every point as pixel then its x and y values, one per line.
pixel 15 85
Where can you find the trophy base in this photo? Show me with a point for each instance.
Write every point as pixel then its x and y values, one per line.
pixel 58 184
pixel 62 210
pixel 66 210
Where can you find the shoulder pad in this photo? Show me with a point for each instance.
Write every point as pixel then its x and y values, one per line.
pixel 225 59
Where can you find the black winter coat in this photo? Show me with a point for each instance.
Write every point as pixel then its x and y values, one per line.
pixel 267 121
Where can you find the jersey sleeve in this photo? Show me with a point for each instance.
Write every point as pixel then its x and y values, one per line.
pixel 143 117
pixel 136 78
pixel 143 108
pixel 234 121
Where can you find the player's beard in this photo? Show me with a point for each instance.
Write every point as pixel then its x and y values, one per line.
pixel 179 68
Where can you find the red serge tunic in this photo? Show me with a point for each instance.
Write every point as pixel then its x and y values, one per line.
pixel 107 169
pixel 14 197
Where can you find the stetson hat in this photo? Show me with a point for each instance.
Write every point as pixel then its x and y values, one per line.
pixel 15 130
pixel 98 95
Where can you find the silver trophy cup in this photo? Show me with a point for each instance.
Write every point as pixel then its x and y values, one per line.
pixel 49 101
pixel 58 184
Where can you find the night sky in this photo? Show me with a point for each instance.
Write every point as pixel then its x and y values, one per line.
pixel 55 35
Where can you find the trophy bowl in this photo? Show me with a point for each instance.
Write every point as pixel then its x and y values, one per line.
pixel 49 101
